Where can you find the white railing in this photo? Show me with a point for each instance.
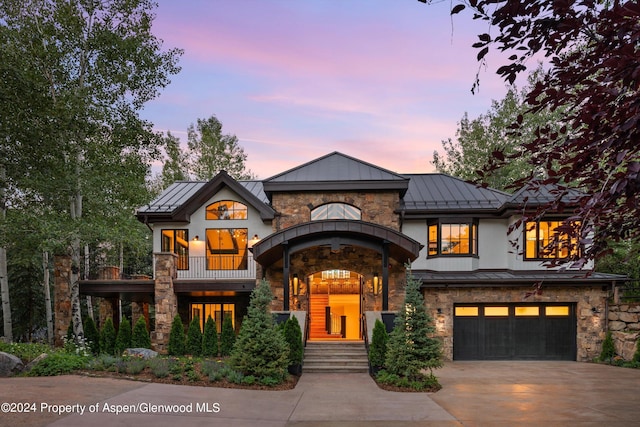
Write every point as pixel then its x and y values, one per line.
pixel 218 267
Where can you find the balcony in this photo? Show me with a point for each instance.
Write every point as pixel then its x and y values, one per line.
pixel 222 267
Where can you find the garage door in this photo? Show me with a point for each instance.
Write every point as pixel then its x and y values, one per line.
pixel 514 332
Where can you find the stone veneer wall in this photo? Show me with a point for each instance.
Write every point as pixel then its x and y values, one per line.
pixel 624 324
pixel 590 328
pixel 165 300
pixel 61 298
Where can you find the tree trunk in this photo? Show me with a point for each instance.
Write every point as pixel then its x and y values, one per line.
pixel 4 277
pixel 47 297
pixel 85 276
pixel 76 312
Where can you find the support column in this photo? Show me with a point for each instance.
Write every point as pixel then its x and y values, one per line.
pixel 61 298
pixel 166 302
pixel 385 276
pixel 285 276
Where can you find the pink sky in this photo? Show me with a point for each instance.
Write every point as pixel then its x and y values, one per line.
pixel 381 80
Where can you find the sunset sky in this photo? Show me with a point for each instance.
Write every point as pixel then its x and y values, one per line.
pixel 381 80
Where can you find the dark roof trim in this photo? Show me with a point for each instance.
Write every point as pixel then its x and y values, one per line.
pixel 381 185
pixel 331 232
pixel 221 180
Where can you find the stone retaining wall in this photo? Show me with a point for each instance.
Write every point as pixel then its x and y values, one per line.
pixel 624 324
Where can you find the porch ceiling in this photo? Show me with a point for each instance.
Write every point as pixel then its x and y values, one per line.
pixel 332 233
pixel 127 290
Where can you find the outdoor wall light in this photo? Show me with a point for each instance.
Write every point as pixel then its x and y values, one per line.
pixel 375 285
pixel 439 311
pixel 195 239
pixel 296 285
pixel 255 239
pixel 594 310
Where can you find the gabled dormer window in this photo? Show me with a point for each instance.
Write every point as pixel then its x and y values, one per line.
pixel 453 238
pixel 550 239
pixel 336 211
pixel 226 209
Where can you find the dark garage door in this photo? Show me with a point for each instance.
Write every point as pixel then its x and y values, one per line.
pixel 514 332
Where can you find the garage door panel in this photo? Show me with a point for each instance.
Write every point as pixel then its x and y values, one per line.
pixel 529 336
pixel 497 338
pixel 465 330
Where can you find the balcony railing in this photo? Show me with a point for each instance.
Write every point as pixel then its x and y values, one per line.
pixel 217 267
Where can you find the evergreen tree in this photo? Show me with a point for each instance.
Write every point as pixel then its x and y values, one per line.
pixel 141 338
pixel 210 339
pixel 123 339
pixel 411 349
pixel 636 355
pixel 92 335
pixel 194 337
pixel 260 349
pixel 108 337
pixel 378 347
pixel 227 337
pixel 177 341
pixel 608 348
pixel 293 336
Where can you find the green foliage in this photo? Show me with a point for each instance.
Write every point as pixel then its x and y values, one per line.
pixel 58 363
pixel 293 337
pixel 378 346
pixel 177 340
pixel 25 351
pixel 636 355
pixel 123 339
pixel 108 337
pixel 608 349
pixel 70 335
pixel 260 349
pixel 424 383
pixel 141 338
pixel 159 367
pixel 210 338
pixel 194 337
pixel 92 335
pixel 410 348
pixel 227 337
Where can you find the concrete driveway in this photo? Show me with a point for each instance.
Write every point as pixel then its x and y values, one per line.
pixel 473 394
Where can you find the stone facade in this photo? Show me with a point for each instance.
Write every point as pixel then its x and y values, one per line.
pixel 624 324
pixel 166 303
pixel 590 324
pixel 61 298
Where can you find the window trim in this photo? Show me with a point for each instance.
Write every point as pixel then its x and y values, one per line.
pixel 208 218
pixel 182 263
pixel 324 205
pixel 473 225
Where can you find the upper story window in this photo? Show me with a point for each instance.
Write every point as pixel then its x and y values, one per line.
pixel 177 241
pixel 227 248
pixel 226 209
pixel 453 238
pixel 550 239
pixel 336 211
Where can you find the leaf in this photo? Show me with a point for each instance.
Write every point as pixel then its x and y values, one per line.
pixel 482 53
pixel 457 9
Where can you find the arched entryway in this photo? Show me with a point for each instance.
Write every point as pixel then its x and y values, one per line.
pixel 335 305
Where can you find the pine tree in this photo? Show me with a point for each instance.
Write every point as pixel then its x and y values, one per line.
pixel 210 339
pixel 260 349
pixel 92 335
pixel 411 349
pixel 227 337
pixel 141 338
pixel 123 339
pixel 293 336
pixel 108 337
pixel 194 337
pixel 608 348
pixel 378 347
pixel 177 341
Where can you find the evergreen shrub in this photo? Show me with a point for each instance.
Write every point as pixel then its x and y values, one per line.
pixel 141 338
pixel 194 337
pixel 177 341
pixel 210 339
pixel 108 337
pixel 123 338
pixel 227 337
pixel 92 335
pixel 378 346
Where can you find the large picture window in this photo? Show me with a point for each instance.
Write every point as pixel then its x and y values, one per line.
pixel 453 238
pixel 550 239
pixel 226 209
pixel 218 313
pixel 336 211
pixel 227 249
pixel 177 241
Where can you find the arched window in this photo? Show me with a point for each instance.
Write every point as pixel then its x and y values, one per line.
pixel 226 209
pixel 336 211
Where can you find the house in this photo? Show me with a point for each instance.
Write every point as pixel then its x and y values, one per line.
pixel 334 237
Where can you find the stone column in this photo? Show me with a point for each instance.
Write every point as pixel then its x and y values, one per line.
pixel 61 298
pixel 166 301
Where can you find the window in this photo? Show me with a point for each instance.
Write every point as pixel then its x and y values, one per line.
pixel 528 311
pixel 227 249
pixel 549 239
pixel 218 313
pixel 336 211
pixel 177 241
pixel 455 238
pixel 226 209
pixel 466 311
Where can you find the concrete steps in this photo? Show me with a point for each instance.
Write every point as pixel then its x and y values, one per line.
pixel 335 357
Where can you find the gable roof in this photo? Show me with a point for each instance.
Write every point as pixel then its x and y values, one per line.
pixel 436 193
pixel 336 171
pixel 183 198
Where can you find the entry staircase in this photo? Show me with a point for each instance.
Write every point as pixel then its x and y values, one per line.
pixel 335 357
